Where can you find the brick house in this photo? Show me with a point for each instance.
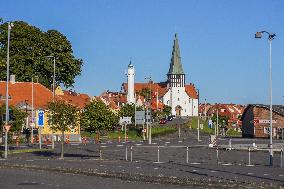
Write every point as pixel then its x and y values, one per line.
pixel 255 121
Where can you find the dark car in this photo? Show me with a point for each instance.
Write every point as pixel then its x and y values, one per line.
pixel 170 118
pixel 163 121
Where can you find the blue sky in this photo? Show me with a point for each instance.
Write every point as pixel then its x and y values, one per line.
pixel 219 52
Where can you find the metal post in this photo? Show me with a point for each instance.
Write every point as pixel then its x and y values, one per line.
pixel 32 121
pixel 249 156
pixel 179 131
pixel 125 133
pixel 217 155
pixel 131 151
pixel 126 152
pixel 147 130
pixel 100 149
pixel 187 154
pixel 281 158
pixel 198 139
pixel 158 153
pixel 39 138
pixel 217 122
pixel 150 134
pixel 230 144
pixel 270 86
pixel 53 96
pixel 7 90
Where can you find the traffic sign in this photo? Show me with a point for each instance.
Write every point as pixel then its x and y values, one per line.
pixel 40 121
pixel 210 123
pixel 140 117
pixel 262 121
pixel 125 120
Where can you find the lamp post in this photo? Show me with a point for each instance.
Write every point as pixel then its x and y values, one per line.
pixel 53 92
pixel 10 25
pixel 270 38
pixel 150 129
pixel 198 127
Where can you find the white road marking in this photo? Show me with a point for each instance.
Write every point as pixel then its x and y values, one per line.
pixel 138 167
pixel 265 174
pixel 280 175
pixel 156 168
pixel 213 171
pixel 226 164
pixel 250 173
pixel 195 163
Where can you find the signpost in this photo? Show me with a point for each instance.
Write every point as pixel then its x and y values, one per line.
pixel 40 124
pixel 125 121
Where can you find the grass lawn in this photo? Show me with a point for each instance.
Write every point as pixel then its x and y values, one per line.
pixel 133 133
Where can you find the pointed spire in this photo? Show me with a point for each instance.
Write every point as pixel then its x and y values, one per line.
pixel 130 63
pixel 175 66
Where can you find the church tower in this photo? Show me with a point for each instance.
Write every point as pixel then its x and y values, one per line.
pixel 130 83
pixel 176 95
pixel 176 76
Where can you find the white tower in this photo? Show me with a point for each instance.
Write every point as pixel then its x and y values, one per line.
pixel 130 83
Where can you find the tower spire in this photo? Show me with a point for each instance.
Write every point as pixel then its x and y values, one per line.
pixel 176 66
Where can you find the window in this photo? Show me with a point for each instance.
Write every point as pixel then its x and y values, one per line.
pixel 178 99
pixel 184 110
pixel 168 102
pixel 178 91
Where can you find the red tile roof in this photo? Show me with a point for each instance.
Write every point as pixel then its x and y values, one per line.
pixel 79 100
pixel 161 88
pixel 22 91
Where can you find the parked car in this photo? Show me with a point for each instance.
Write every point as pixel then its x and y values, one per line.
pixel 171 117
pixel 163 121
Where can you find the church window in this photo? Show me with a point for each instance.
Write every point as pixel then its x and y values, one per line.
pixel 168 102
pixel 178 99
pixel 178 91
pixel 184 110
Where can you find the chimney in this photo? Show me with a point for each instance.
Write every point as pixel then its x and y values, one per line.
pixel 13 79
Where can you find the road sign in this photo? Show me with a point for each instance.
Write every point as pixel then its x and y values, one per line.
pixel 262 121
pixel 148 116
pixel 210 123
pixel 40 121
pixel 125 120
pixel 7 127
pixel 140 117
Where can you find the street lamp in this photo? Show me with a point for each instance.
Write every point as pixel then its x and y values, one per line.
pixel 53 91
pixel 10 25
pixel 150 129
pixel 270 38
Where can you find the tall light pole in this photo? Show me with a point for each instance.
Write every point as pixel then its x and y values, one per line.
pixel 53 92
pixel 198 127
pixel 10 25
pixel 150 129
pixel 270 38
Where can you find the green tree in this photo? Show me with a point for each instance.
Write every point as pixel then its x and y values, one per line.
pixel 63 117
pixel 29 47
pixel 97 117
pixel 17 118
pixel 145 92
pixel 167 110
pixel 222 120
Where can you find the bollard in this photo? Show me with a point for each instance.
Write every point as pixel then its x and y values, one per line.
pixel 217 155
pixel 125 152
pixel 230 144
pixel 249 156
pixel 101 157
pixel 131 151
pixel 187 154
pixel 158 153
pixel 281 157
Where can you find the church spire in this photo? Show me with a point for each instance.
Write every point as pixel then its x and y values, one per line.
pixel 175 66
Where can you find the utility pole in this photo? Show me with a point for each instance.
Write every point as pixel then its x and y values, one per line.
pixel 10 25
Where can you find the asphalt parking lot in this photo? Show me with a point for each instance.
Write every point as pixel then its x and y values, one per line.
pixel 168 160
